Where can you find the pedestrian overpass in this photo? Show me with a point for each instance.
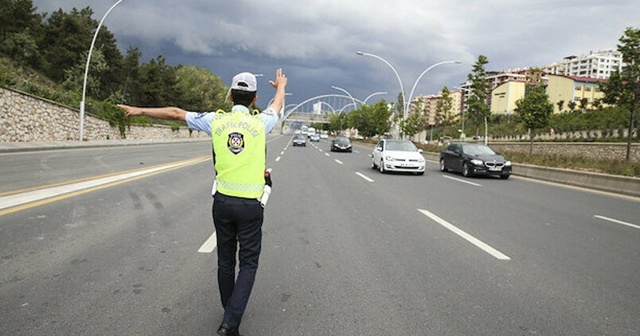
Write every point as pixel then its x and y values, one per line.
pixel 317 110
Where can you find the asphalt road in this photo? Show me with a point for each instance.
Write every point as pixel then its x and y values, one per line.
pixel 117 241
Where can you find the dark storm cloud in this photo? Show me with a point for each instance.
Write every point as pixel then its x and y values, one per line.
pixel 315 41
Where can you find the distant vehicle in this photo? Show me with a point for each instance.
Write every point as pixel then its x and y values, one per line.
pixel 299 140
pixel 314 138
pixel 324 134
pixel 311 131
pixel 399 156
pixel 341 144
pixel 474 159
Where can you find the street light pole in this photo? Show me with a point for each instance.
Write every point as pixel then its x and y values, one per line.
pixel 86 70
pixel 348 94
pixel 406 107
pixel 373 94
pixel 404 102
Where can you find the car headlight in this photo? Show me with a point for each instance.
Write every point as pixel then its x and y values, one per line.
pixel 477 162
pixel 508 163
pixel 389 158
pixel 421 160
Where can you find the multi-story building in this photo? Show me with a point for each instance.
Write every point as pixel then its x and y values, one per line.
pixel 428 104
pixel 597 64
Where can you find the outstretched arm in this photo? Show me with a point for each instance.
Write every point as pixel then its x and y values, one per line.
pixel 279 83
pixel 169 113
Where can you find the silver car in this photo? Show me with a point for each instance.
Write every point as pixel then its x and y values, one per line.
pixel 398 156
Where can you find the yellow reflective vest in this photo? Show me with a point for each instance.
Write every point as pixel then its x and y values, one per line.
pixel 239 149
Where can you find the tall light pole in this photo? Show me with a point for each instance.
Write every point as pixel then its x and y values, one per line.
pixel 86 70
pixel 348 94
pixel 404 102
pixel 373 94
pixel 406 106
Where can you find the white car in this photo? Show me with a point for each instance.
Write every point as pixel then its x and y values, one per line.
pixel 398 156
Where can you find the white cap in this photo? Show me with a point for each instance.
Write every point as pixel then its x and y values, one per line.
pixel 244 81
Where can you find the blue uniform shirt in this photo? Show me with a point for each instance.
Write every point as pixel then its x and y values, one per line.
pixel 201 121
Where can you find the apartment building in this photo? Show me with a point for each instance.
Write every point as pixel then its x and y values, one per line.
pixel 597 64
pixel 429 106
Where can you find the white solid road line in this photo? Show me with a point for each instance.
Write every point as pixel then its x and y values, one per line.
pixel 617 221
pixel 36 195
pixel 209 245
pixel 364 177
pixel 466 236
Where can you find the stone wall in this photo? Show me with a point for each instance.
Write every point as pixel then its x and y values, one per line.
pixel 607 151
pixel 26 118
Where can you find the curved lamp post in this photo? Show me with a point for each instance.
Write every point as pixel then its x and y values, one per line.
pixel 404 102
pixel 406 106
pixel 348 94
pixel 86 70
pixel 373 94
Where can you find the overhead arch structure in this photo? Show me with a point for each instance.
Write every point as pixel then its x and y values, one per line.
pixel 311 110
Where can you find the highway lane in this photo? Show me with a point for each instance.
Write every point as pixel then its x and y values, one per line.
pixel 342 255
pixel 32 169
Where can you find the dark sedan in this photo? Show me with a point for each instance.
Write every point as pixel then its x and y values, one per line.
pixel 474 159
pixel 299 140
pixel 341 144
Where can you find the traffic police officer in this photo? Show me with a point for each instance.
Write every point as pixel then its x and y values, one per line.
pixel 239 155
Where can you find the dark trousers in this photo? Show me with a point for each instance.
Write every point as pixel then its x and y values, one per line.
pixel 237 220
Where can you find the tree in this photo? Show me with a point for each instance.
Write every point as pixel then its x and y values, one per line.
pixel 371 120
pixel 66 38
pixel 131 87
pixel 413 124
pixel 584 102
pixel 572 106
pixel 534 109
pixel 19 26
pixel 560 105
pixel 623 87
pixel 338 122
pixel 443 108
pixel 478 109
pixel 200 90
pixel 160 81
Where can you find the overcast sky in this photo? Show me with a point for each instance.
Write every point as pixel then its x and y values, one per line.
pixel 315 42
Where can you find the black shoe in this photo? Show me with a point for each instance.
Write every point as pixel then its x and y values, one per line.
pixel 226 330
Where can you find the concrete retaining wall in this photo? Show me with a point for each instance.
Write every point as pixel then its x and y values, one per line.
pixel 26 118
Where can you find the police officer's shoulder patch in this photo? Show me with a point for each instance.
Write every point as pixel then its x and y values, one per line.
pixel 235 142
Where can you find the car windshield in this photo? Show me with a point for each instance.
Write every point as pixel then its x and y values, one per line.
pixel 478 150
pixel 299 137
pixel 342 140
pixel 405 146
